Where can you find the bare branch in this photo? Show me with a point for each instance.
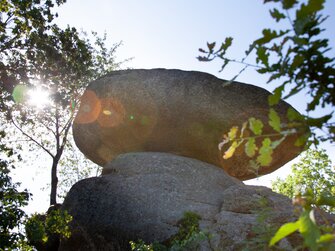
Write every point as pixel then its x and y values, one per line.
pixel 57 129
pixel 68 123
pixel 31 138
pixel 49 128
pixel 9 19
pixel 240 62
pixel 66 132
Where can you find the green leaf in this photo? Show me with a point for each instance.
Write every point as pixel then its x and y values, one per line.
pixel 293 115
pixel 250 147
pixel 284 231
pixel 251 48
pixel 300 41
pixel 277 15
pixel 226 44
pixel 309 230
pixel 274 76
pixel 268 35
pixel 263 70
pixel 265 153
pixel 311 8
pixel 45 239
pixel 319 122
pixel 326 238
pixel 232 133
pixel 211 46
pixel 276 96
pixel 297 61
pixel 262 56
pixel 302 140
pixel 299 28
pixel 326 200
pixel 288 4
pixel 274 120
pixel 256 126
pixel 254 165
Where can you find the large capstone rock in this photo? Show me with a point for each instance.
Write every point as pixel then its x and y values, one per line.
pixel 146 194
pixel 174 111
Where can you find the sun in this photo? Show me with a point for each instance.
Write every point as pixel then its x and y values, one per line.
pixel 39 98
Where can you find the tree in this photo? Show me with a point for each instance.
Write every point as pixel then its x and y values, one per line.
pixel 313 172
pixel 37 54
pixel 11 202
pixel 20 24
pixel 74 167
pixel 12 215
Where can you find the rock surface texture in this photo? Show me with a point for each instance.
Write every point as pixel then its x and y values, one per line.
pixel 145 195
pixel 173 111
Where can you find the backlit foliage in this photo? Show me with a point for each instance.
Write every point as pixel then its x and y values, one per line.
pixel 298 58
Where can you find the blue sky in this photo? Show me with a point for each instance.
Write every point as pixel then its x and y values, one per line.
pixel 168 34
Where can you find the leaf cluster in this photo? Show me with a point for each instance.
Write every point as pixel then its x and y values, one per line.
pixel 314 173
pixel 36 53
pixel 20 21
pixel 261 233
pixel 258 146
pixel 40 228
pixel 188 236
pixel 12 200
pixel 311 186
pixel 297 56
pixel 11 213
pixel 315 237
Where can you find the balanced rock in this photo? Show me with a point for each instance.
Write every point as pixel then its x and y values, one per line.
pixel 146 194
pixel 174 111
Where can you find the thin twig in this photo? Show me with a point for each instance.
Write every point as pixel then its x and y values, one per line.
pixel 239 62
pixel 31 138
pixel 67 123
pixel 48 128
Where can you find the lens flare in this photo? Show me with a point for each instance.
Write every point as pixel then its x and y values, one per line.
pixel 20 93
pixel 38 97
pixel 90 108
pixel 113 113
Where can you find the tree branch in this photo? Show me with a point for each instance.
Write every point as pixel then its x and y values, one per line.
pixel 49 128
pixel 240 62
pixel 67 123
pixel 57 130
pixel 9 19
pixel 32 139
pixel 66 132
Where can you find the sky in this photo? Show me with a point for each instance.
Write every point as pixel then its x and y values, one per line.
pixel 168 34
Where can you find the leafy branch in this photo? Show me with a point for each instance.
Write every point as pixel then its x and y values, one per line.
pixel 252 130
pixel 296 55
pixel 315 237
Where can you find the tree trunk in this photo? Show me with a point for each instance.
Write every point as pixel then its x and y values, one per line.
pixel 54 181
